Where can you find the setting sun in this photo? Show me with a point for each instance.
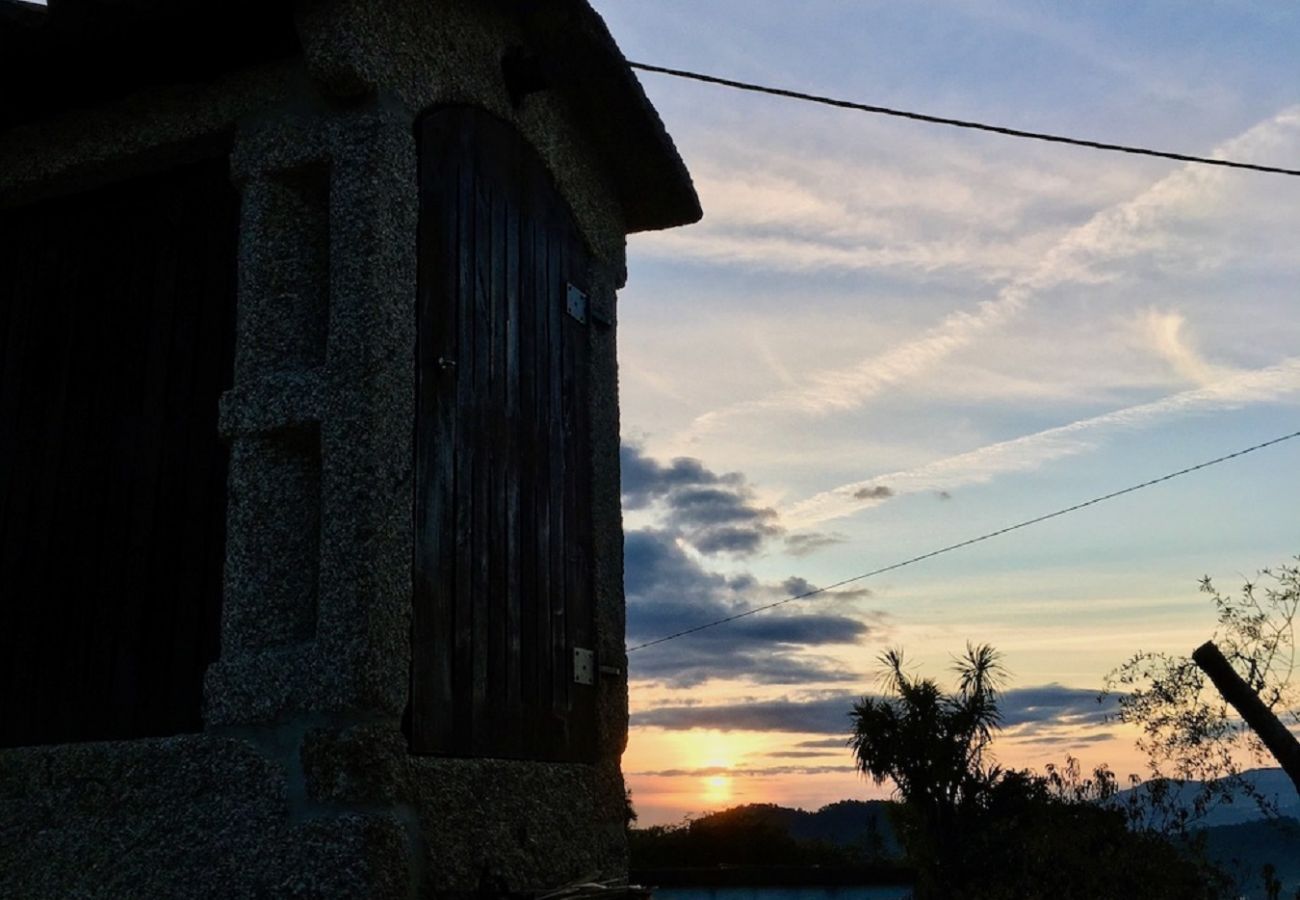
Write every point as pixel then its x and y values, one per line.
pixel 717 789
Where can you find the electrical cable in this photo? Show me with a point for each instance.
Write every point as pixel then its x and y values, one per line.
pixel 962 123
pixel 968 542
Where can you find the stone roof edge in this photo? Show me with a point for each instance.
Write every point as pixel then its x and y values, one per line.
pixel 653 184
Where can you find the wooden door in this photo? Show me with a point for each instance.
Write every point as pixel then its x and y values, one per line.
pixel 117 310
pixel 502 565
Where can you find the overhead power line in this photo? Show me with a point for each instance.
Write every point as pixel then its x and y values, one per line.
pixel 962 123
pixel 968 542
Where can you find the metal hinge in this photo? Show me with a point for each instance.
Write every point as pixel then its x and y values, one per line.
pixel 575 302
pixel 584 666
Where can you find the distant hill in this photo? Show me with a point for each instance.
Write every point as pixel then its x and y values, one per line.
pixel 850 832
pixel 1272 784
pixel 848 823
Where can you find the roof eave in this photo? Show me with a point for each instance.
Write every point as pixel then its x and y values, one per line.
pixel 651 180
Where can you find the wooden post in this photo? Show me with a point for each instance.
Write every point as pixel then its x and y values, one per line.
pixel 1279 741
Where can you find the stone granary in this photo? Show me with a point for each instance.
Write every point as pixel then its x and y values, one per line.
pixel 310 541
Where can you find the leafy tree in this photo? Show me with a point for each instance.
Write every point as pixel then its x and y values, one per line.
pixel 1040 836
pixel 1187 731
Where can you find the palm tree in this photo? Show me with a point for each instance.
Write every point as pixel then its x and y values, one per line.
pixel 933 746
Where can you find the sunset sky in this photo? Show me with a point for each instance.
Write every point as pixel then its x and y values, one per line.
pixel 887 336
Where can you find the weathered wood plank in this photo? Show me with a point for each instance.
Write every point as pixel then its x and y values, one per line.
pixel 561 650
pixel 547 543
pixel 527 480
pixel 499 725
pixel 466 459
pixel 514 714
pixel 479 444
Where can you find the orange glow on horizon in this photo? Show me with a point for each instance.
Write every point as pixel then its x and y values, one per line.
pixel 678 774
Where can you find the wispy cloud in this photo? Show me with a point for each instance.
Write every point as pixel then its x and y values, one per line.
pixel 1164 333
pixel 903 209
pixel 807 543
pixel 1034 450
pixel 1094 252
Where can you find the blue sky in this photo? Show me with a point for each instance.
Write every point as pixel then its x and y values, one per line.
pixel 887 336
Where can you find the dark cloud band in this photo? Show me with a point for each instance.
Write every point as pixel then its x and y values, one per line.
pixel 714 513
pixel 1046 710
pixel 668 591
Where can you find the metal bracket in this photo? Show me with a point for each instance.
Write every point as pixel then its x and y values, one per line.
pixel 575 302
pixel 584 666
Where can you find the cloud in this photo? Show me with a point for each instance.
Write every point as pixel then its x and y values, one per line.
pixel 767 772
pixel 1048 711
pixel 1056 740
pixel 838 390
pixel 1103 248
pixel 717 520
pixel 875 492
pixel 1054 704
pixel 713 513
pixel 1034 450
pixel 669 591
pixel 1164 333
pixel 646 480
pixel 827 714
pixel 896 209
pixel 807 543
pixel 1055 715
pixel 798 253
pixel 834 743
pixel 794 586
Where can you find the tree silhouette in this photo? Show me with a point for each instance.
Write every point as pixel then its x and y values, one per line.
pixel 1188 731
pixel 933 746
pixel 971 829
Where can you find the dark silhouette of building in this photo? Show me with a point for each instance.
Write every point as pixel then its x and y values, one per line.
pixel 310 539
